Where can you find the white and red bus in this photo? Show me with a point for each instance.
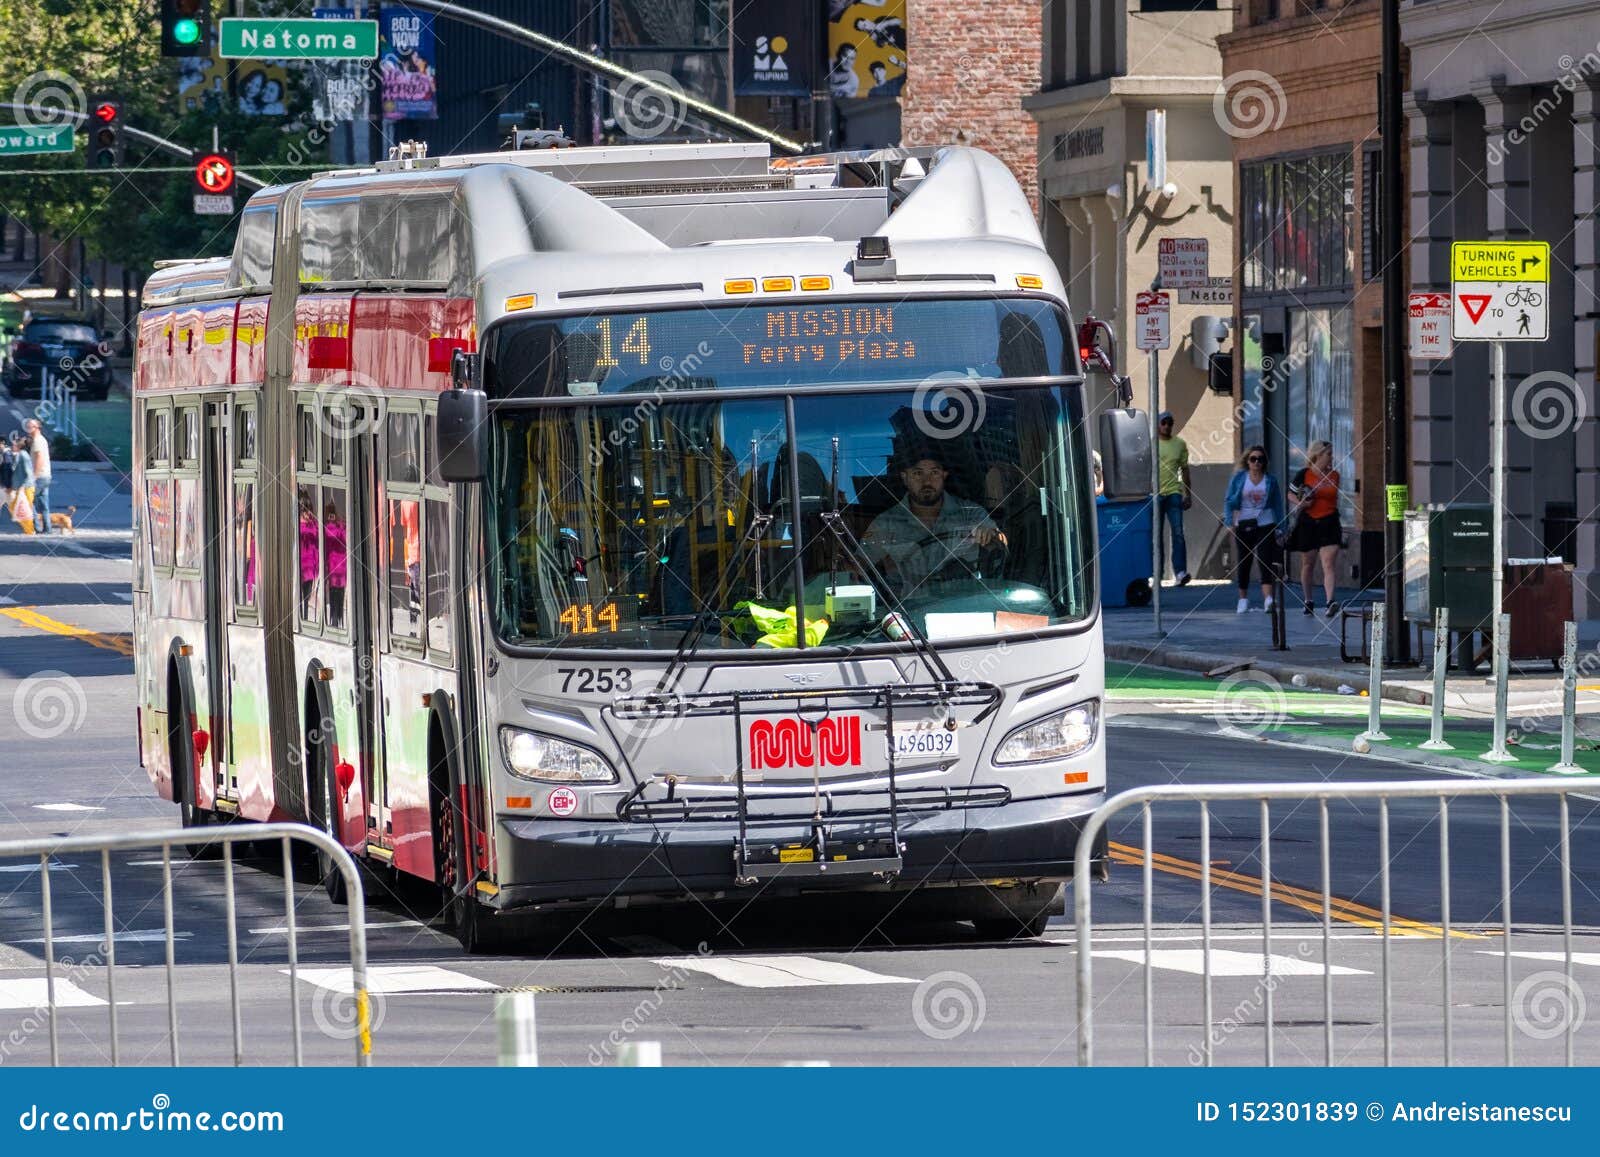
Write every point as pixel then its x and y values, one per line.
pixel 595 527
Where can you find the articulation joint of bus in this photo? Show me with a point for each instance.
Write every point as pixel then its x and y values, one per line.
pixel 629 525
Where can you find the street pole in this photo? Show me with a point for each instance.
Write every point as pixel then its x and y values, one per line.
pixel 1396 440
pixel 1497 355
pixel 1155 490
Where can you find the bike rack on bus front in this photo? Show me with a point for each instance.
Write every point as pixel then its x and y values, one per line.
pixel 825 852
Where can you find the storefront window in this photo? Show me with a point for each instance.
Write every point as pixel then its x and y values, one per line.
pixel 1295 217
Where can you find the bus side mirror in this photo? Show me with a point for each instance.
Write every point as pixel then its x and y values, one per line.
pixel 461 435
pixel 1125 453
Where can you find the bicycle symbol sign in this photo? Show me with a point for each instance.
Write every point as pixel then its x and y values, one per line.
pixel 1501 296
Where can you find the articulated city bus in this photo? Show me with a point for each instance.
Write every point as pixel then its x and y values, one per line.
pixel 595 527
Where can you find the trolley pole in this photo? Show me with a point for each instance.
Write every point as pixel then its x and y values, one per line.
pixel 1156 528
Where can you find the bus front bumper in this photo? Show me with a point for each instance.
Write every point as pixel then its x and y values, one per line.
pixel 583 862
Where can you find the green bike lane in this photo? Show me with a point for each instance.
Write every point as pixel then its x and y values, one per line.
pixel 1253 703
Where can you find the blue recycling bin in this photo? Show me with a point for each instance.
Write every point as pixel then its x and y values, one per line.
pixel 1124 553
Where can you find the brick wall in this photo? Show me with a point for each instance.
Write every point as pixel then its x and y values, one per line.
pixel 968 69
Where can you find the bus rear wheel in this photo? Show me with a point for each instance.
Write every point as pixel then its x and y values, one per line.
pixel 180 752
pixel 321 786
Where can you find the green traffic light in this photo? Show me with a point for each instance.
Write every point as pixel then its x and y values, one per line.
pixel 186 31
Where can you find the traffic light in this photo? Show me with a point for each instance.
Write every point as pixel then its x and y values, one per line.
pixel 185 27
pixel 105 132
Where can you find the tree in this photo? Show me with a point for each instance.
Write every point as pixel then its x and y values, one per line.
pixel 60 51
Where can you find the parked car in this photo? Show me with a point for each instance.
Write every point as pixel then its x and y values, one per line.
pixel 70 348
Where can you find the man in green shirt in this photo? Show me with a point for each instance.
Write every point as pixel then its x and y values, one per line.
pixel 1172 453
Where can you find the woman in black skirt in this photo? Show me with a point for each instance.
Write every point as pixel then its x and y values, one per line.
pixel 1317 534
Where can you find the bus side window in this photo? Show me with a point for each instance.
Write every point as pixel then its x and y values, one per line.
pixel 187 450
pixel 159 497
pixel 335 553
pixel 309 560
pixel 437 554
pixel 403 520
pixel 405 567
pixel 306 457
pixel 156 447
pixel 252 249
pixel 244 544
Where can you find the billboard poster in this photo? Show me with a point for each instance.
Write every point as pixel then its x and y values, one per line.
pixel 866 48
pixel 774 48
pixel 262 86
pixel 405 62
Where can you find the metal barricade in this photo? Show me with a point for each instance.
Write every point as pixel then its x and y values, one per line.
pixel 1306 899
pixel 287 835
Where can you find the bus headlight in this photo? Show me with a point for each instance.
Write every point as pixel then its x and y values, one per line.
pixel 543 757
pixel 1057 736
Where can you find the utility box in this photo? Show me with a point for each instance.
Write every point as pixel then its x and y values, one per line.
pixel 1449 562
pixel 1539 601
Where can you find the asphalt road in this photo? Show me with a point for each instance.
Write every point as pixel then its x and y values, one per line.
pixel 765 984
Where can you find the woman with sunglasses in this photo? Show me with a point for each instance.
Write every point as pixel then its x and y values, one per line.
pixel 1252 507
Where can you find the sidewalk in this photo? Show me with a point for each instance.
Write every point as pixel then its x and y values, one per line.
pixel 1203 634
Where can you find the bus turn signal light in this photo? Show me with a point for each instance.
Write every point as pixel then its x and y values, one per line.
pixel 739 285
pixel 777 285
pixel 1029 281
pixel 521 301
pixel 815 283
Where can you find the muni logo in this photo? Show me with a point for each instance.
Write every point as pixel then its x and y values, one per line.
pixel 789 742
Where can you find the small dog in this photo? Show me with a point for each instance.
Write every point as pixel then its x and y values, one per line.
pixel 63 521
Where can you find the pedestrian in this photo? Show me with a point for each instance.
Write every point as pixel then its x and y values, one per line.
pixel 1318 535
pixel 1252 507
pixel 8 459
pixel 1173 484
pixel 20 500
pixel 39 452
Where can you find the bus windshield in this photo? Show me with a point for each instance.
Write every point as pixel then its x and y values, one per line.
pixel 617 524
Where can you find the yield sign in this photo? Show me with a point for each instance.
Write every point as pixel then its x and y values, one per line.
pixel 1475 304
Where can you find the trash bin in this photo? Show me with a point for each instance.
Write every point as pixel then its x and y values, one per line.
pixel 1124 553
pixel 1538 594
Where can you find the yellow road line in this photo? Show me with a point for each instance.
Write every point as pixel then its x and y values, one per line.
pixel 1345 911
pixel 28 617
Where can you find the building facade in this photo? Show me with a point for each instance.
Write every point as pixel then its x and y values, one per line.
pixel 1503 112
pixel 1301 106
pixel 1105 65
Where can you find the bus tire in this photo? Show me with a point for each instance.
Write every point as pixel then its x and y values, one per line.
pixel 323 791
pixel 1020 917
pixel 476 929
pixel 180 751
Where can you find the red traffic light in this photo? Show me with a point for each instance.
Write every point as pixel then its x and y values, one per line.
pixel 213 173
pixel 106 111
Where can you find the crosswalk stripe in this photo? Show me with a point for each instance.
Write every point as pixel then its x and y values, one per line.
pixel 139 936
pixel 1225 962
pixel 1577 957
pixel 780 971
pixel 32 992
pixel 396 979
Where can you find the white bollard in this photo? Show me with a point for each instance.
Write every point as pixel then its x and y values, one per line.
pixel 517 1029
pixel 639 1054
pixel 1374 732
pixel 1502 676
pixel 1569 701
pixel 1441 661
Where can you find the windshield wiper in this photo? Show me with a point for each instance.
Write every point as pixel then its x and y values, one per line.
pixel 835 524
pixel 689 643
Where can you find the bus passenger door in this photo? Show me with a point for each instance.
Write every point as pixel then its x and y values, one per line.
pixel 361 594
pixel 218 523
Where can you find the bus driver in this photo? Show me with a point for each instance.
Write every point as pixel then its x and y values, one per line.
pixel 929 528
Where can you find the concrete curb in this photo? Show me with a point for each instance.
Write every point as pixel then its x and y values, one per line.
pixel 1319 678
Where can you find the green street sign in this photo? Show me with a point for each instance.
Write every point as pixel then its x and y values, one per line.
pixel 20 140
pixel 271 39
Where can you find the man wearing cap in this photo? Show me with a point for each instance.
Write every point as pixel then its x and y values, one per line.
pixel 919 535
pixel 1172 452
